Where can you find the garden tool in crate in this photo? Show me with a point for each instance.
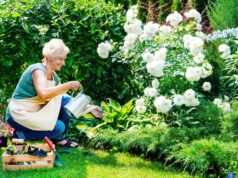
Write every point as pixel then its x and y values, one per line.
pixel 58 161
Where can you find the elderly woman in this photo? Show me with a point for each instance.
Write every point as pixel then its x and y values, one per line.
pixel 36 108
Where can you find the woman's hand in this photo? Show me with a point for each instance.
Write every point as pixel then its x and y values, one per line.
pixel 97 113
pixel 74 85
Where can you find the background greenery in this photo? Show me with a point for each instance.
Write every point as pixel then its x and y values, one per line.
pixel 82 25
pixel 223 14
pixel 195 140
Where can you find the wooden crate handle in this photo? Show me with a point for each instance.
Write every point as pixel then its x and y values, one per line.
pixel 18 141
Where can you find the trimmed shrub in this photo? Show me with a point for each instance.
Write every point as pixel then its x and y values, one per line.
pixel 208 156
pixel 229 123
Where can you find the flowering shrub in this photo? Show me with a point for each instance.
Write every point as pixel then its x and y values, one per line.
pixel 6 130
pixel 173 64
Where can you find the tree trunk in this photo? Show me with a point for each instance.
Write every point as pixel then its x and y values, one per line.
pixel 191 4
pixel 152 10
pixel 142 9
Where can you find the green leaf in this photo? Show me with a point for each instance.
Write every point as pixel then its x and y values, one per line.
pixel 105 107
pixel 115 105
pixel 91 132
pixel 88 116
pixel 93 27
pixel 101 36
pixel 127 107
pixel 107 119
pixel 81 127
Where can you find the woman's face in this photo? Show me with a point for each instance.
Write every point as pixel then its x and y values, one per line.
pixel 55 63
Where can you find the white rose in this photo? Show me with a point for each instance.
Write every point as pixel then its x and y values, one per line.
pixel 225 50
pixel 162 104
pixel 199 58
pixel 155 83
pixel 206 70
pixel 190 93
pixel 148 57
pixel 131 37
pixel 186 40
pixel 206 86
pixel 129 41
pixel 174 19
pixel 146 91
pixel 143 37
pixel 193 74
pixel 132 13
pixel 151 29
pixel 191 102
pixel 193 14
pixel 178 99
pixel 226 107
pixel 155 68
pixel 140 102
pixel 165 30
pixel 103 49
pixel 161 54
pixel 103 54
pixel 217 101
pixel 141 109
pixel 133 27
pixel 201 35
pixel 153 92
pixel 196 46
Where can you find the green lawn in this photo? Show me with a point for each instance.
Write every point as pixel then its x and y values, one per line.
pixel 85 163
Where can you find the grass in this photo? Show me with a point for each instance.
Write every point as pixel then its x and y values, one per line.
pixel 88 163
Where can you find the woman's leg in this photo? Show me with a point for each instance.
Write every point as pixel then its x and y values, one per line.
pixel 37 135
pixel 63 115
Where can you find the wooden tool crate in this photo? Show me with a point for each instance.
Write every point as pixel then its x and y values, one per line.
pixel 26 161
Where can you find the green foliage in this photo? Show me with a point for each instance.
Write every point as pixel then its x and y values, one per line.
pixel 27 25
pixel 229 76
pixel 206 118
pixel 141 141
pixel 223 14
pixel 176 5
pixel 229 123
pixel 115 115
pixel 155 142
pixel 207 156
pixel 115 118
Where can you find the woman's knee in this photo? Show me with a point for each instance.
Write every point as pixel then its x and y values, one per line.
pixel 59 127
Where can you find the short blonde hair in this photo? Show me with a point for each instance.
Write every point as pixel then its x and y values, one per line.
pixel 55 48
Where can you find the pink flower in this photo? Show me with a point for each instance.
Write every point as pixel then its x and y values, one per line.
pixel 2 124
pixel 3 133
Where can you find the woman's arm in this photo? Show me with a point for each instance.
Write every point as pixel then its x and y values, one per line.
pixel 44 92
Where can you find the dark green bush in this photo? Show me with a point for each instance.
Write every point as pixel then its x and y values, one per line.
pixel 223 14
pixel 230 122
pixel 154 143
pixel 205 120
pixel 207 156
pixel 82 25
